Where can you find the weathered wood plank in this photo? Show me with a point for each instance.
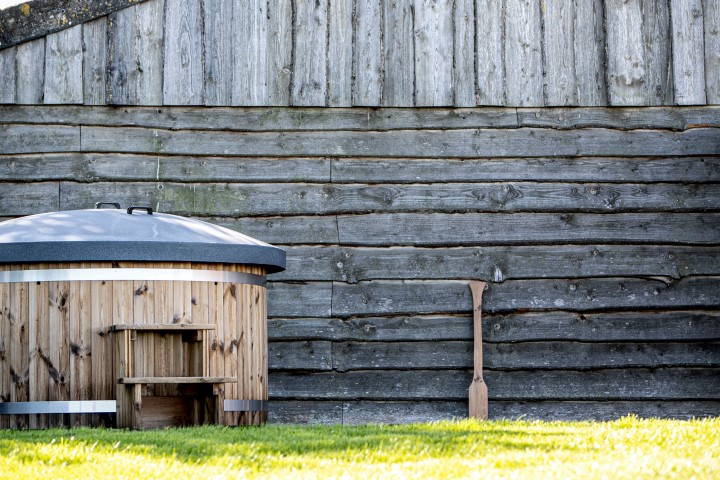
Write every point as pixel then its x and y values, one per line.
pixel 688 52
pixel 28 198
pixel 64 66
pixel 218 53
pixel 711 21
pixel 340 53
pixel 95 62
pixel 435 297
pixel 433 43
pixel 523 58
pixel 305 413
pixel 311 230
pixel 279 61
pixel 250 53
pixel 7 75
pixel 658 53
pixel 309 78
pixel 611 384
pixel 32 139
pixel 687 326
pixel 367 53
pixel 399 54
pixel 559 39
pixel 493 229
pixel 490 55
pixel 30 60
pixel 464 54
pixel 627 74
pixel 528 142
pixel 352 265
pixel 299 299
pixel 300 355
pixel 596 169
pixel 230 199
pixel 183 73
pixel 347 356
pixel 589 53
pixel 672 118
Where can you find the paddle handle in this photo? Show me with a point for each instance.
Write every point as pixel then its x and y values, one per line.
pixel 477 288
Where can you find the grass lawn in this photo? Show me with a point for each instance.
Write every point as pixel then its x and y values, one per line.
pixel 627 448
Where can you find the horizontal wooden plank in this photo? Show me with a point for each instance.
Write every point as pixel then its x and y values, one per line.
pixel 299 299
pixel 595 169
pixel 305 413
pixel 612 384
pixel 28 198
pixel 39 139
pixel 174 380
pixel 318 230
pixel 355 264
pixel 524 355
pixel 434 297
pixel 303 355
pixel 526 142
pixel 163 327
pixel 527 228
pixel 667 118
pixel 688 326
pixel 253 199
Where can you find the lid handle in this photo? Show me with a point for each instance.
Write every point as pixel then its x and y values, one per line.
pixel 149 210
pixel 98 205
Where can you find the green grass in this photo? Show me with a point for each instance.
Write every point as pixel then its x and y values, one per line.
pixel 627 448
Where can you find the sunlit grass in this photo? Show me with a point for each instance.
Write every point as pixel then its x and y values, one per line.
pixel 627 448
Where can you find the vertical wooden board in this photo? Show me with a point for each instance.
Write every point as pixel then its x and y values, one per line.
pixel 340 53
pixel 163 314
pixel 433 53
pixel 63 66
pixel 7 75
pixel 711 20
pixel 367 54
pixel 217 352
pixel 309 79
pixel 31 71
pixel 279 53
pixel 399 54
pixel 590 53
pixel 33 357
pixel 42 340
pixel 250 53
pixel 627 76
pixel 200 314
pixel 230 321
pixel 559 42
pixel 658 52
pixel 688 52
pixel 490 62
pixel 244 353
pixel 144 314
pixel 5 379
pixel 58 357
pixel 94 38
pixel 74 345
pixel 523 56
pixel 464 54
pixel 218 44
pixel 102 362
pixel 183 76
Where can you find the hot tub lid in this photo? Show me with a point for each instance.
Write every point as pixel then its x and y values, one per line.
pixel 135 234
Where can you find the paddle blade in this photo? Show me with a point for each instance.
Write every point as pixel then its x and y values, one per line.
pixel 478 400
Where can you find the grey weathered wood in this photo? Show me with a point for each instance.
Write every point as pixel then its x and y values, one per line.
pixel 407 143
pixel 309 77
pixel 499 229
pixel 279 56
pixel 250 52
pixel 135 50
pixel 7 75
pixel 183 70
pixel 523 57
pixel 490 55
pixel 627 65
pixel 340 53
pixel 349 356
pixel 299 299
pixel 399 54
pixel 464 54
pixel 559 40
pixel 300 355
pixel 95 62
pixel 32 139
pixel 433 40
pixel 218 53
pixel 367 53
pixel 432 297
pixel 711 21
pixel 30 61
pixel 352 265
pixel 312 230
pixel 610 384
pixel 688 52
pixel 363 412
pixel 597 169
pixel 28 198
pixel 658 53
pixel 305 413
pixel 589 53
pixel 64 66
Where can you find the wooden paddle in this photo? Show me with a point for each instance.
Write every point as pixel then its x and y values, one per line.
pixel 478 389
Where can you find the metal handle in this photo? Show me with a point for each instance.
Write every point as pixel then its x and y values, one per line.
pixel 149 210
pixel 100 204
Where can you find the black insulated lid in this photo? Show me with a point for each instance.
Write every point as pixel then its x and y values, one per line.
pixel 136 234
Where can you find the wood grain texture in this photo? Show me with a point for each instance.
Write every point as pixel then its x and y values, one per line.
pixel 559 40
pixel 490 55
pixel 627 64
pixel 95 62
pixel 367 53
pixel 7 75
pixel 307 230
pixel 309 78
pixel 30 62
pixel 589 52
pixel 306 413
pixel 433 40
pixel 183 69
pixel 299 299
pixel 464 54
pixel 27 139
pixel 218 51
pixel 28 199
pixel 523 54
pixel 711 22
pixel 303 355
pixel 657 37
pixel 280 40
pixel 340 53
pixel 64 67
pixel 399 54
pixel 688 52
pixel 250 53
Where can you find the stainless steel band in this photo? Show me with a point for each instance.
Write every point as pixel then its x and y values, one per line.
pixel 70 406
pixel 246 405
pixel 111 274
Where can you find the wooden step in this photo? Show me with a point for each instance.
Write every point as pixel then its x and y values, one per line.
pixel 174 380
pixel 161 327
